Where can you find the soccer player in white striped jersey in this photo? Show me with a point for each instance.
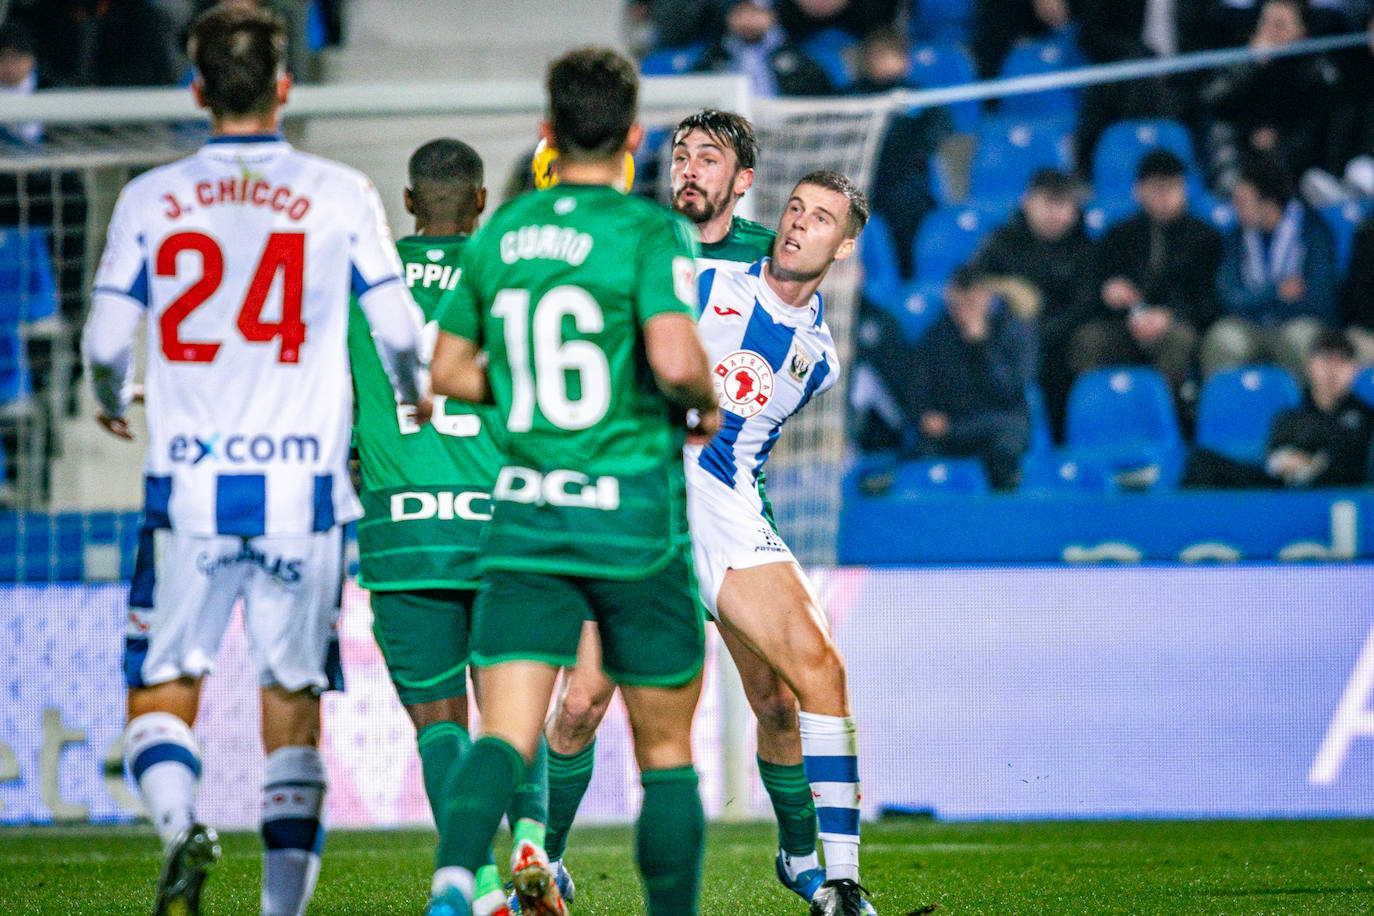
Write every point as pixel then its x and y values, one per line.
pixel 765 333
pixel 242 258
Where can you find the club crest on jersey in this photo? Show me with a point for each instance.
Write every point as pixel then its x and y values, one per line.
pixel 799 365
pixel 744 383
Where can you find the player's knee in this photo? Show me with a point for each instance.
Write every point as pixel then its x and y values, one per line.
pixel 777 713
pixel 579 716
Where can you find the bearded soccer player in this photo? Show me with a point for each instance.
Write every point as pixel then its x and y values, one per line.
pixel 426 492
pixel 714 153
pixel 242 257
pixel 574 313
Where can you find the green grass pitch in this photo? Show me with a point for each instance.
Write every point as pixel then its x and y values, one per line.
pixel 912 867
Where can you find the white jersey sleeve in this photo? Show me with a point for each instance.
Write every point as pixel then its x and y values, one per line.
pixel 392 314
pixel 769 359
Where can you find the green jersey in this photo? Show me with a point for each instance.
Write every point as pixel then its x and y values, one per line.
pixel 555 288
pixel 745 243
pixel 426 489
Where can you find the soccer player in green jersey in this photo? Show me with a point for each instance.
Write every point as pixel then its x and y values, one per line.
pixel 575 315
pixel 426 492
pixel 714 153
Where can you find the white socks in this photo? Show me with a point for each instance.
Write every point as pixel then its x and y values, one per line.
pixel 160 753
pixel 293 793
pixel 830 756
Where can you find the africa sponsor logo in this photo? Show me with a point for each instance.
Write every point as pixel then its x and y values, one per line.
pixel 744 383
pixel 283 569
pixel 242 449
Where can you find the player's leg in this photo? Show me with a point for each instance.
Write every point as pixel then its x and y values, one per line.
pixel 525 626
pixel 780 768
pixel 291 608
pixel 178 611
pixel 583 699
pixel 423 637
pixel 653 643
pixel 772 610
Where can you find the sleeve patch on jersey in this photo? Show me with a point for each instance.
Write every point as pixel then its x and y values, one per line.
pixel 685 280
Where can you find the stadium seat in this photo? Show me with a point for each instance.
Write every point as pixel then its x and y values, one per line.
pixel 878 257
pixel 1344 218
pixel 948 237
pixel 15 382
pixel 28 291
pixel 1121 429
pixel 938 475
pixel 1125 143
pixel 937 64
pixel 1364 385
pixel 1236 408
pixel 918 308
pixel 1216 210
pixel 943 21
pixel 1034 58
pixel 1042 438
pixel 671 61
pixel 1009 150
pixel 1102 213
pixel 833 49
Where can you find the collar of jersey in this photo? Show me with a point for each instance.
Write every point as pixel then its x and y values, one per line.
pixel 246 138
pixel 780 310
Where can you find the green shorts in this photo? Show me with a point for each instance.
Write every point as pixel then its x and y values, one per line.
pixel 651 629
pixel 423 636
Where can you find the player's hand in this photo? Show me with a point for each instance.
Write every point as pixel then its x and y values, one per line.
pixel 115 426
pixel 424 410
pixel 702 426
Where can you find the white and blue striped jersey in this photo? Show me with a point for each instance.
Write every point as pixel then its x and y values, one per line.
pixel 769 359
pixel 242 258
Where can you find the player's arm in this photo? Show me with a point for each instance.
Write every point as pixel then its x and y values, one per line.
pixel 118 302
pixel 459 367
pixel 679 361
pixel 393 316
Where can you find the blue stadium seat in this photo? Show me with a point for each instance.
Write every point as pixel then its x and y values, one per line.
pixel 28 291
pixel 878 258
pixel 15 382
pixel 1216 210
pixel 1364 385
pixel 1121 428
pixel 1100 214
pixel 1125 143
pixel 938 475
pixel 1236 408
pixel 672 61
pixel 833 49
pixel 1042 438
pixel 1009 150
pixel 919 307
pixel 948 237
pixel 945 21
pixel 941 64
pixel 1032 59
pixel 1344 219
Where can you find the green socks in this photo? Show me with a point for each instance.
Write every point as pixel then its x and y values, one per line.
pixel 529 809
pixel 441 744
pixel 793 806
pixel 568 777
pixel 669 839
pixel 478 792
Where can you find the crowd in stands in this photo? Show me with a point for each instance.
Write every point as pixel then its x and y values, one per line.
pixel 1185 228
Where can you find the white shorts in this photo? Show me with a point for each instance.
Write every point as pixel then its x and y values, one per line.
pixel 182 600
pixel 728 532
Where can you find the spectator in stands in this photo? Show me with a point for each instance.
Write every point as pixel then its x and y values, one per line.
pixel 1278 283
pixel 18 76
pixel 801 19
pixel 1046 250
pixel 1000 24
pixel 1115 30
pixel 754 45
pixel 1156 280
pixel 1272 106
pixel 134 46
pixel 901 181
pixel 673 23
pixel 1357 298
pixel 1324 442
pixel 972 367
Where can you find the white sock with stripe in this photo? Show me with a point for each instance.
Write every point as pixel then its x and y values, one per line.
pixel 830 756
pixel 160 753
pixel 293 791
